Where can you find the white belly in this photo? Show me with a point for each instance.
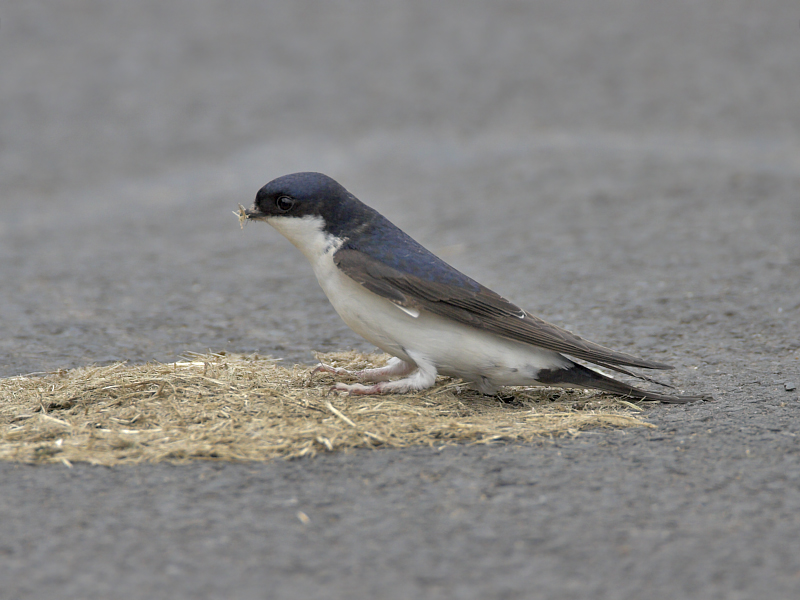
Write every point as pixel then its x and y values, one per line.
pixel 456 350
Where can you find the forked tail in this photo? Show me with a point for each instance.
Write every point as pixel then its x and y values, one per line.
pixel 582 377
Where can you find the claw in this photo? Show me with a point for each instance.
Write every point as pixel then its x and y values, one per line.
pixel 358 389
pixel 323 368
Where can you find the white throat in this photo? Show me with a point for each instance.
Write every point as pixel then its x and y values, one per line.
pixel 308 236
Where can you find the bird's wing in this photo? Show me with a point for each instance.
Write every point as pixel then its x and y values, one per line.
pixel 478 307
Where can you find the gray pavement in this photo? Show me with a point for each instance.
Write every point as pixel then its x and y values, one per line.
pixel 628 170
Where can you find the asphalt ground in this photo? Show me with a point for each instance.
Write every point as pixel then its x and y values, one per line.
pixel 628 170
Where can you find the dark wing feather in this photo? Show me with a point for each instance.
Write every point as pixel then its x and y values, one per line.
pixel 479 307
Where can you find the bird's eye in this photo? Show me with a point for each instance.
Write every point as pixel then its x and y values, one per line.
pixel 284 203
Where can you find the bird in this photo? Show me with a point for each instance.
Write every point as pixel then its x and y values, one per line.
pixel 431 318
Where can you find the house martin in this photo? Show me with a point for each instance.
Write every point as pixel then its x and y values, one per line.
pixel 430 317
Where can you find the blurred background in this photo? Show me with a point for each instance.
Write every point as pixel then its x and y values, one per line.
pixel 620 167
pixel 628 169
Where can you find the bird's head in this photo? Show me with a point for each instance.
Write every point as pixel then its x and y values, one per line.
pixel 300 195
pixel 311 210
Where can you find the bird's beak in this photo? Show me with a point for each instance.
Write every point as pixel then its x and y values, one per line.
pixel 246 214
pixel 254 213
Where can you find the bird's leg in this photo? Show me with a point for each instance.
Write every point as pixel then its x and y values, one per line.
pixel 396 367
pixel 424 377
pixel 486 387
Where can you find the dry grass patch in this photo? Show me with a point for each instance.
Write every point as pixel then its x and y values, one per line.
pixel 232 407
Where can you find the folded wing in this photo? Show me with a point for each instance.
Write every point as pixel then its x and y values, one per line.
pixel 479 307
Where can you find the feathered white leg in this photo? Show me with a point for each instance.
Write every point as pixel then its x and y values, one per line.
pixel 396 367
pixel 423 378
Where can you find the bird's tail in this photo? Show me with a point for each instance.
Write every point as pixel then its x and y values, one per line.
pixel 582 377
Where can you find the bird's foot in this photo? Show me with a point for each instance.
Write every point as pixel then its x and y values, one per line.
pixel 358 389
pixel 323 368
pixel 422 377
pixel 394 368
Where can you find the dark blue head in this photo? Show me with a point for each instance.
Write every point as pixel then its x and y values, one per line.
pixel 310 195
